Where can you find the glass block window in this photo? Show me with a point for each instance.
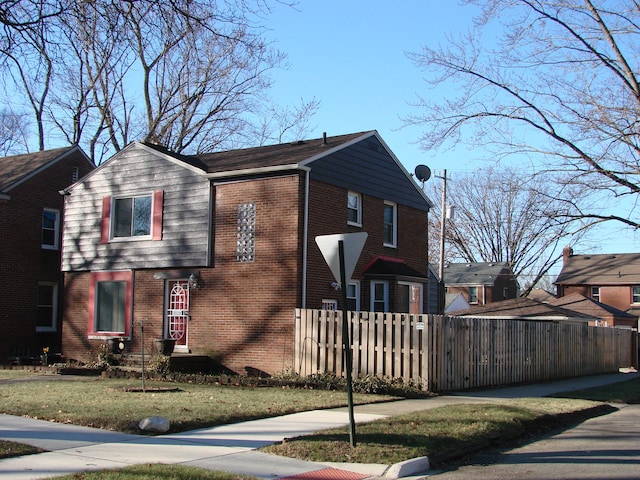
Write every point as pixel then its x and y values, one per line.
pixel 245 251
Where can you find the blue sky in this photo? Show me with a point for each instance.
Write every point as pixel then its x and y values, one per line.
pixel 351 56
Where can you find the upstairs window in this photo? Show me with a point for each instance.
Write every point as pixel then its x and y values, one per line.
pixel 473 294
pixel 136 217
pixel 50 228
pixel 354 209
pixel 505 293
pixel 390 224
pixel 635 294
pixel 595 293
pixel 132 217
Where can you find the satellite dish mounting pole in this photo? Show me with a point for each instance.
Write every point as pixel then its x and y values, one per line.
pixel 346 344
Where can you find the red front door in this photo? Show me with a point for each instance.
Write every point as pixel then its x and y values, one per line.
pixel 177 316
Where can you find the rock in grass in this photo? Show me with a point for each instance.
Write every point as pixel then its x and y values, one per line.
pixel 155 424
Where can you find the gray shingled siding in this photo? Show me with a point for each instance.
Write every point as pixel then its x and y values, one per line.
pixel 367 168
pixel 185 216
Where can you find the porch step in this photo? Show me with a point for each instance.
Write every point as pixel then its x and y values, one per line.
pixel 178 362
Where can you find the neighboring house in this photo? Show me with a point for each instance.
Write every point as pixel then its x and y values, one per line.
pixel 541 295
pixel 217 250
pixel 525 309
pixel 481 283
pixel 612 279
pixel 436 289
pixel 607 316
pixel 30 221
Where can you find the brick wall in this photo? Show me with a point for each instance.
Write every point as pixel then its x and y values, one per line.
pixel 328 215
pixel 24 263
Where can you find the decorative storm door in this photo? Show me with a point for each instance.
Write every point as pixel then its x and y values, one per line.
pixel 178 311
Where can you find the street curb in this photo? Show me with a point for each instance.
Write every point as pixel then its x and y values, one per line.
pixel 408 468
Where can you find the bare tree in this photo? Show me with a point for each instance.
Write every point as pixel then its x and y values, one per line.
pixel 191 75
pixel 13 133
pixel 503 215
pixel 559 88
pixel 25 14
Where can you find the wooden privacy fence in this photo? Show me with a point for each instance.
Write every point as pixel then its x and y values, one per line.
pixel 455 353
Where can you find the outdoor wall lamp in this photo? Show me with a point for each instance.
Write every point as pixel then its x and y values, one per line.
pixel 194 281
pixel 335 286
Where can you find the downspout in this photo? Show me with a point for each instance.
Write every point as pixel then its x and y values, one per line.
pixel 305 234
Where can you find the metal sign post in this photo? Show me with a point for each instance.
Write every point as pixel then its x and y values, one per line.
pixel 346 348
pixel 341 252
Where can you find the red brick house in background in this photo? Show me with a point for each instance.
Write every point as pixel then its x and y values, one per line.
pixel 611 279
pixel 481 283
pixel 217 250
pixel 30 221
pixel 607 315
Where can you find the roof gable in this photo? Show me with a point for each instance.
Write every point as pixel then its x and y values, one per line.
pixel 18 168
pixel 600 269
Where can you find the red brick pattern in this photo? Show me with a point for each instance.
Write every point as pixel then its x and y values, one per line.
pixel 24 263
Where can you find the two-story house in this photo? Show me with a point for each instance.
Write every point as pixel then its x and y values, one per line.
pixel 481 282
pixel 216 251
pixel 30 235
pixel 611 279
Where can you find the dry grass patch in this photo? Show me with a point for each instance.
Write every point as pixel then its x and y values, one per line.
pixel 117 404
pixel 156 472
pixel 438 433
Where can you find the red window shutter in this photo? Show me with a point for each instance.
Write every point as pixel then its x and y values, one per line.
pixel 105 225
pixel 156 228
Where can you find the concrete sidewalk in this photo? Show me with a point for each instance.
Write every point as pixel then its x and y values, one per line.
pixel 233 447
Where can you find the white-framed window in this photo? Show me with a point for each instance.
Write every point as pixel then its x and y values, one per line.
pixel 329 304
pixel 353 296
pixel 595 293
pixel 409 297
pixel 473 294
pixel 132 217
pixel 50 228
pixel 110 295
pixel 47 307
pixel 390 224
pixel 354 209
pixel 505 293
pixel 635 294
pixel 379 296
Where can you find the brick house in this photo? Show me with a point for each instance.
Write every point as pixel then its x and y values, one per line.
pixel 481 282
pixel 611 279
pixel 30 220
pixel 607 316
pixel 217 250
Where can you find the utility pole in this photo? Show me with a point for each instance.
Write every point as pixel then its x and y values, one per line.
pixel 443 206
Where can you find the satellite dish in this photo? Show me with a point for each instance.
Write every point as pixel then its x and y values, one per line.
pixel 423 173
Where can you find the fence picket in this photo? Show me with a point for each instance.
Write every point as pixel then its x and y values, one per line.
pixel 454 353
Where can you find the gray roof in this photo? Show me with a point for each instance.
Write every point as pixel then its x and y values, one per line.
pixel 525 309
pixel 474 273
pixel 600 269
